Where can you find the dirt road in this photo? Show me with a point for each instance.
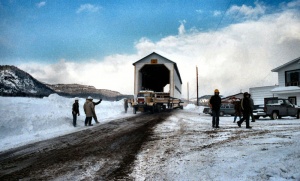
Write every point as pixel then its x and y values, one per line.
pixel 177 145
pixel 101 152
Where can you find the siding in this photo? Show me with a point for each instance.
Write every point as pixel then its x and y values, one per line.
pixel 259 93
pixel 281 72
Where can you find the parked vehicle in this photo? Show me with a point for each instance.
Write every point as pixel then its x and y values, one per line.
pixel 225 109
pixel 276 108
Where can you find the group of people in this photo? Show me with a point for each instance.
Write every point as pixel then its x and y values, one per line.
pixel 243 108
pixel 89 110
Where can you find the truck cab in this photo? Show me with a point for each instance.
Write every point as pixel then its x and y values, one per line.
pixel 279 107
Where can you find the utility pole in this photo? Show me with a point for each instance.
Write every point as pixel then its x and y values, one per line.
pixel 197 86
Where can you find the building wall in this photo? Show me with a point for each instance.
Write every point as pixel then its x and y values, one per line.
pixel 259 93
pixel 174 77
pixel 281 72
pixel 177 85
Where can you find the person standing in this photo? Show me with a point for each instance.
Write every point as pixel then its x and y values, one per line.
pixel 237 110
pixel 125 105
pixel 95 116
pixel 75 111
pixel 246 109
pixel 252 108
pixel 215 103
pixel 89 110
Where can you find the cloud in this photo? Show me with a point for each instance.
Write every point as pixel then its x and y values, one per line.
pixel 293 4
pixel 181 29
pixel 41 4
pixel 88 8
pixel 247 11
pixel 217 13
pixel 231 59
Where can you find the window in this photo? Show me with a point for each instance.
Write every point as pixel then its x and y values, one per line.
pixel 292 78
pixel 293 100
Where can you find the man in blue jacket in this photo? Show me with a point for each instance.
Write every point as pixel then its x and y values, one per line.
pixel 215 104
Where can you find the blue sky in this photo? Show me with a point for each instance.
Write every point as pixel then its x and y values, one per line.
pixel 77 33
pixel 77 30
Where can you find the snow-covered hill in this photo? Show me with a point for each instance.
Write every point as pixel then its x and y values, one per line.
pixel 16 82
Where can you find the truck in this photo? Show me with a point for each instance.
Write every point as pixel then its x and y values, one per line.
pixel 276 108
pixel 154 102
pixel 157 84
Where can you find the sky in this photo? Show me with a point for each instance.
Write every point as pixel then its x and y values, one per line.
pixel 234 43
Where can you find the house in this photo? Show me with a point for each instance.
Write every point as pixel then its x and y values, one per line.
pixel 288 84
pixel 288 81
pixel 259 93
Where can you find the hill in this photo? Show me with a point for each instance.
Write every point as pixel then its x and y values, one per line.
pixel 16 82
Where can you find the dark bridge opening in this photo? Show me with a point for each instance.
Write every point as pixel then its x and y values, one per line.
pixel 155 77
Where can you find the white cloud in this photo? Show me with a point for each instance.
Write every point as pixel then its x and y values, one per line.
pixel 88 8
pixel 231 59
pixel 181 29
pixel 41 4
pixel 217 13
pixel 293 4
pixel 247 11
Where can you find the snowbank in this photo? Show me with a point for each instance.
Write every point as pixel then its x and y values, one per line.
pixel 24 120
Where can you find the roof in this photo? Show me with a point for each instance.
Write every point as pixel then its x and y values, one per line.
pixel 175 65
pixel 289 89
pixel 286 64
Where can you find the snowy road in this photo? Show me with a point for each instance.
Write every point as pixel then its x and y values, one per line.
pixel 180 145
pixel 101 152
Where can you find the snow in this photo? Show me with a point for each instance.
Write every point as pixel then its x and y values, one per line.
pixel 184 147
pixel 287 89
pixel 27 120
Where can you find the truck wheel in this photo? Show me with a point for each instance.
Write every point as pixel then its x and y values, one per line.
pixel 298 115
pixel 256 117
pixel 274 115
pixel 221 113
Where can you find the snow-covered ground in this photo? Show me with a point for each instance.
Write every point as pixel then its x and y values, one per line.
pixel 184 147
pixel 26 120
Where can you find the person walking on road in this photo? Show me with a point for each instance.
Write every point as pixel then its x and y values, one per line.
pixel 95 116
pixel 75 111
pixel 125 105
pixel 215 103
pixel 237 110
pixel 252 108
pixel 89 110
pixel 246 109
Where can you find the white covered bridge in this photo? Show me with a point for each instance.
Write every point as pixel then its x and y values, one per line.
pixel 157 73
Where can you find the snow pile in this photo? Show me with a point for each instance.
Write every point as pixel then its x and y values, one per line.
pixel 23 120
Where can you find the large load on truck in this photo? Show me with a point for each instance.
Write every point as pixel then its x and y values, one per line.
pixel 157 84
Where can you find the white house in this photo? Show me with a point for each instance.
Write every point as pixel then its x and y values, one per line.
pixel 288 84
pixel 288 81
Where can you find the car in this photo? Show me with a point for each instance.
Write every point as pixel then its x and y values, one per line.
pixel 225 109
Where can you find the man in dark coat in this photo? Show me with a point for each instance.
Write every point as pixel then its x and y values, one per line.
pixel 215 103
pixel 75 111
pixel 246 109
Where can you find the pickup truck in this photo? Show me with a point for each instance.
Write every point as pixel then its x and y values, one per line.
pixel 277 108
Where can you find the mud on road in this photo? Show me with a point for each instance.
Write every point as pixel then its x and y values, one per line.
pixel 103 152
